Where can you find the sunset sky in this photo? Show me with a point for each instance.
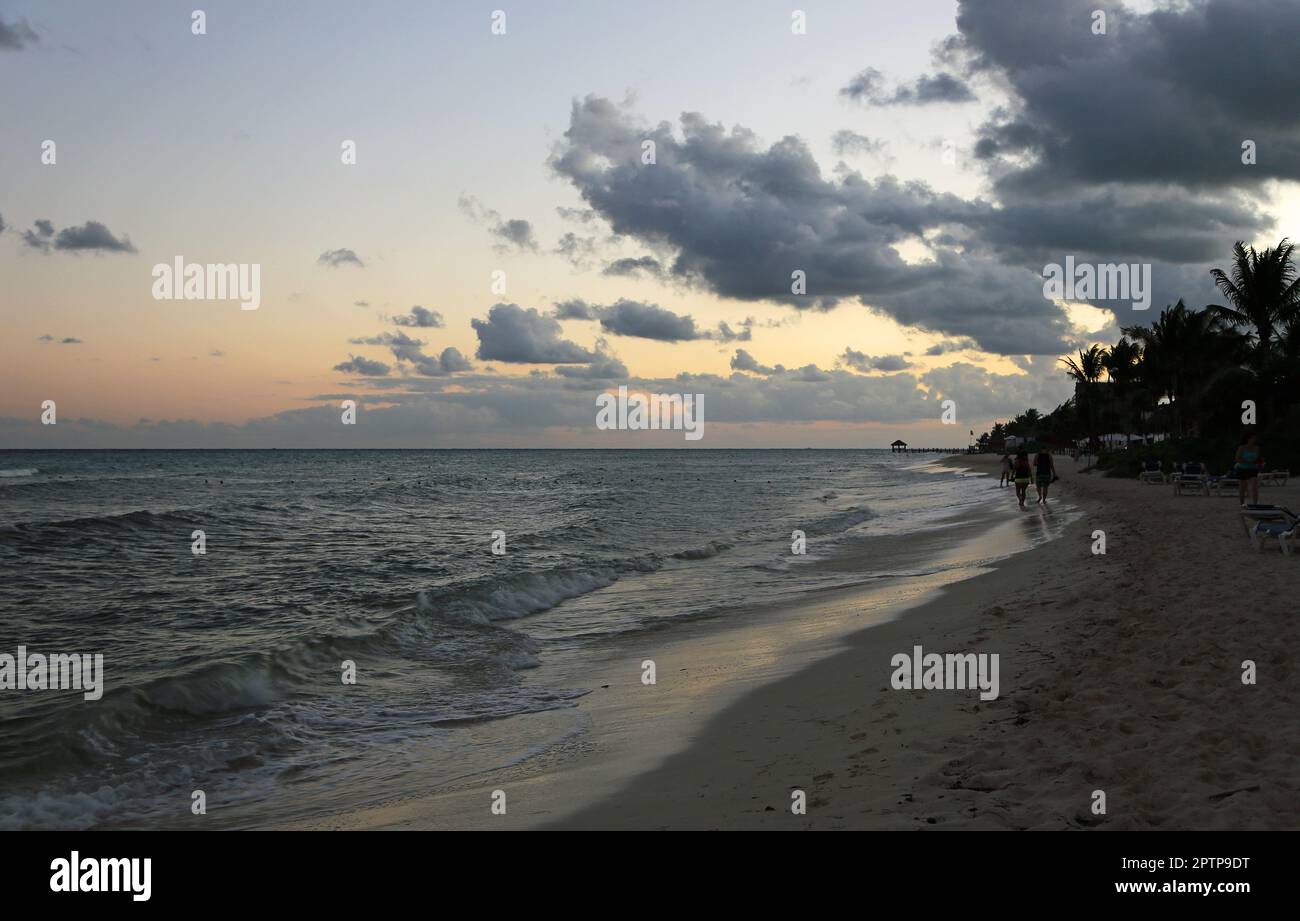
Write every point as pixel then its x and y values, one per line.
pixel 921 161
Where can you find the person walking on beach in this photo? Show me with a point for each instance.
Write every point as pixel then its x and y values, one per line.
pixel 1247 467
pixel 1046 472
pixel 1005 479
pixel 1023 474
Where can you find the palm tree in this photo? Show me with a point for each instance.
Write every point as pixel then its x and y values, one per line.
pixel 1184 352
pixel 1263 291
pixel 1123 364
pixel 1087 372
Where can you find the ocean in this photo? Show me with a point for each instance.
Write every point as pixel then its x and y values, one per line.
pixel 224 671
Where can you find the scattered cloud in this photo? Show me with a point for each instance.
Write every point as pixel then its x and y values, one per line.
pixel 91 236
pixel 363 366
pixel 860 361
pixel 647 321
pixel 335 258
pixel 421 318
pixel 513 334
pixel 868 87
pixel 849 143
pixel 513 234
pixel 17 35
pixel 631 267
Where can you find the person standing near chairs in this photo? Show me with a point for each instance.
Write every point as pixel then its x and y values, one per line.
pixel 1246 465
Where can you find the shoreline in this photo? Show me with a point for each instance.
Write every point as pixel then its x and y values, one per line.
pixel 1119 672
pixel 1106 687
pixel 623 729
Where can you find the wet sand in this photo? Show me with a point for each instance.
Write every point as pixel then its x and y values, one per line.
pixel 1119 673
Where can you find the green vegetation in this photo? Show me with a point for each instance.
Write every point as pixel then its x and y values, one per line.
pixel 1187 375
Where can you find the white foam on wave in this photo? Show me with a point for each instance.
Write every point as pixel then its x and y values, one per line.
pixel 520 596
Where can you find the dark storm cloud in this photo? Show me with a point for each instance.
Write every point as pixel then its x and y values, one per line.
pixel 421 318
pixel 868 87
pixel 1163 97
pixel 1122 147
pixel 1133 223
pixel 363 366
pixel 742 219
pixel 17 35
pixel 334 258
pixel 512 334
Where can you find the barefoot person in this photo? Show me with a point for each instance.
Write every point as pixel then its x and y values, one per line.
pixel 1045 468
pixel 1005 479
pixel 1247 467
pixel 1023 472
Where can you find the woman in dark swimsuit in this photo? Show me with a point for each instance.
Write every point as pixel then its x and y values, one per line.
pixel 1023 472
pixel 1046 468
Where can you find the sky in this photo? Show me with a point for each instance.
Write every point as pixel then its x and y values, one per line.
pixel 502 250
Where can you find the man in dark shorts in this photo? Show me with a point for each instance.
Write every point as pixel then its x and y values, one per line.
pixel 1044 473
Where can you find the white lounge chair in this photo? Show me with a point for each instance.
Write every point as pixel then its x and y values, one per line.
pixel 1284 531
pixel 1274 478
pixel 1152 475
pixel 1252 515
pixel 1193 481
pixel 1226 482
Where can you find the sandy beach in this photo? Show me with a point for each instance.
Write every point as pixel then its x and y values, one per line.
pixel 1119 672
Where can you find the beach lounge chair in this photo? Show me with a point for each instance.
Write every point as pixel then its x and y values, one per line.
pixel 1225 485
pixel 1274 478
pixel 1152 473
pixel 1284 531
pixel 1252 515
pixel 1191 479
